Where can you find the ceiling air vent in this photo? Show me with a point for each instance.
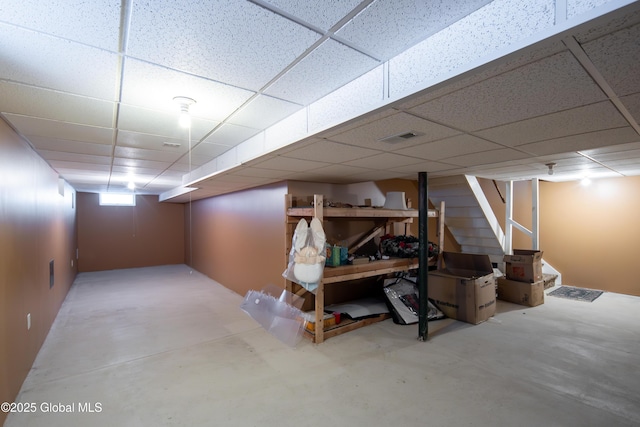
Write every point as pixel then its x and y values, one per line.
pixel 171 144
pixel 399 137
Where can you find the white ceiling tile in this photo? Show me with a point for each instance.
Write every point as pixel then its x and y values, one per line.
pixel 616 57
pixel 486 157
pixel 230 135
pixel 282 134
pixel 589 118
pixel 288 164
pixel 232 178
pixel 362 121
pixel 53 105
pixel 370 134
pixel 383 161
pixel 64 74
pixel 61 65
pixel 324 14
pixel 450 147
pixel 209 149
pixel 66 146
pixel 261 173
pixel 143 154
pixel 613 149
pixel 78 172
pixel 101 170
pixel 490 31
pixel 160 123
pixel 95 22
pixel 136 175
pixel 75 157
pixel 505 64
pixel 153 87
pixel 239 43
pixel 629 170
pixel 400 24
pixel 330 152
pixel 591 32
pixel 340 171
pixel 251 149
pixel 424 166
pixel 582 142
pixel 373 175
pixel 228 159
pixel 325 69
pixel 33 126
pixel 152 142
pixel 616 162
pixel 351 100
pixel 263 111
pixel 552 84
pixel 632 103
pixel 141 163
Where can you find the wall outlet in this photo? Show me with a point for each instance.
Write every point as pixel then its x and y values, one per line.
pixel 28 321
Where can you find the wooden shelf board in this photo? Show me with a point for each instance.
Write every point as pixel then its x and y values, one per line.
pixel 373 268
pixel 347 325
pixel 359 213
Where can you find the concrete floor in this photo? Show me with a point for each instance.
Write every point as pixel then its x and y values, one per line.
pixel 160 346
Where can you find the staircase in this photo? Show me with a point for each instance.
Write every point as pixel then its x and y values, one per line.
pixel 469 216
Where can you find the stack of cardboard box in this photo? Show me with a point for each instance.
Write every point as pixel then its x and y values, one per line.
pixel 524 283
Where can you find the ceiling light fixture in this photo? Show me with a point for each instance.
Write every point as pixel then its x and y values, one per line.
pixel 184 103
pixel 550 166
pixel 131 185
pixel 585 181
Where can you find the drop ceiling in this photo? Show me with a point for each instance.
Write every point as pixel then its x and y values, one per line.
pixel 313 91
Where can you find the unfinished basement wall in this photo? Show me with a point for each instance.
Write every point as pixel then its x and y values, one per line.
pixel 37 226
pixel 237 239
pixel 114 237
pixel 590 234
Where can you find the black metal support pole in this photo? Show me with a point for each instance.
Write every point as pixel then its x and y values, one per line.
pixel 423 253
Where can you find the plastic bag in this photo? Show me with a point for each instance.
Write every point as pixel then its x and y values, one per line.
pixel 307 255
pixel 277 311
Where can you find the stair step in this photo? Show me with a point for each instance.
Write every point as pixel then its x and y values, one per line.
pixel 482 232
pixel 467 212
pixel 456 201
pixel 481 250
pixel 465 223
pixel 479 241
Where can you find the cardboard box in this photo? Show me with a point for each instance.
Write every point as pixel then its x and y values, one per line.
pixel 465 289
pixel 522 293
pixel 524 265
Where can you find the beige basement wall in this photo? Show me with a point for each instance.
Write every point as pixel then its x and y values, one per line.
pixel 37 225
pixel 113 237
pixel 590 234
pixel 238 239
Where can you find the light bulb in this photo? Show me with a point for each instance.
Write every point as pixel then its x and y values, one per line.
pixel 585 182
pixel 131 186
pixel 185 119
pixel 184 103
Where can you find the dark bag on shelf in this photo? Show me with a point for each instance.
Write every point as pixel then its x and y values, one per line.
pixel 404 246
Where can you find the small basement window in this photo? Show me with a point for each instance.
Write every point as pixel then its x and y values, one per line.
pixel 117 199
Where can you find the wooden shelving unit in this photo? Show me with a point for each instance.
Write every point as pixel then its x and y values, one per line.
pixel 346 273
